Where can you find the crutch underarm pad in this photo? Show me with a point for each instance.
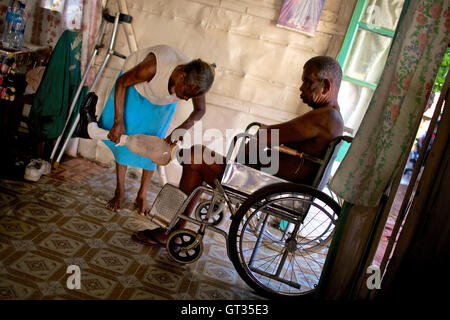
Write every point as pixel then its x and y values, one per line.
pixel 122 17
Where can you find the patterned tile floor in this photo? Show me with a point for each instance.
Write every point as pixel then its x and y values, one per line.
pixel 60 220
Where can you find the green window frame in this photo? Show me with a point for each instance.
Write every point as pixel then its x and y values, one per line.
pixel 357 24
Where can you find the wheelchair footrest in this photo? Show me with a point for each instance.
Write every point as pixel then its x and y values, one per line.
pixel 169 200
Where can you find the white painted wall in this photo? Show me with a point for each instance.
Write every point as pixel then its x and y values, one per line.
pixel 258 64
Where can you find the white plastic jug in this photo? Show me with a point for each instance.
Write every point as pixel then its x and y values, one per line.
pixel 151 147
pixel 155 148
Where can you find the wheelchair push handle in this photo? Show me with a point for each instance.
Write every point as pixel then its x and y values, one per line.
pixel 288 150
pixel 295 153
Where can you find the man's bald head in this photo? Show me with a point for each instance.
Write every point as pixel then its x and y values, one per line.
pixel 327 68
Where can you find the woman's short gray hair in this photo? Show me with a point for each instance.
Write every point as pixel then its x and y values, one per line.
pixel 199 74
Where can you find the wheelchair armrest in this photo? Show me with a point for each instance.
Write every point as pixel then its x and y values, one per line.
pixel 280 148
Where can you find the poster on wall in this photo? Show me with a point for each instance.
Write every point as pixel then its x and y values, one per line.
pixel 301 15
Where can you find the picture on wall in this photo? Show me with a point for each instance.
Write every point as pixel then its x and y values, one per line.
pixel 301 15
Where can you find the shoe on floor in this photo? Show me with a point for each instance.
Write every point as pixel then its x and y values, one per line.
pixel 36 168
pixel 87 115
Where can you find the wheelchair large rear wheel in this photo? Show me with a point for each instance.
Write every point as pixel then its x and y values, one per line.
pixel 282 263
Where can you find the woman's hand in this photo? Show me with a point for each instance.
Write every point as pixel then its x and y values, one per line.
pixel 117 130
pixel 169 141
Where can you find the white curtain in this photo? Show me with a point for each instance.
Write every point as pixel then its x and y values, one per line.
pixel 367 58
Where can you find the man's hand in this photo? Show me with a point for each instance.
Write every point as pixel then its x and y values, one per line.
pixel 117 130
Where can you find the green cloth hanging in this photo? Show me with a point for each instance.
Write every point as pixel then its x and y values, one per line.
pixel 58 87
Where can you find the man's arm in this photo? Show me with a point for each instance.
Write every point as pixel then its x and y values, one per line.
pixel 144 71
pixel 198 112
pixel 298 129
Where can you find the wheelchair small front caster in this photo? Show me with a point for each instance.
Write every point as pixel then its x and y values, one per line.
pixel 217 215
pixel 182 248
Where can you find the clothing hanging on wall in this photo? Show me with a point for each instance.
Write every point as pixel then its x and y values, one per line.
pixel 57 89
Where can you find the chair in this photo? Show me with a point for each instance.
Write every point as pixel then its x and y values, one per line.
pixel 273 261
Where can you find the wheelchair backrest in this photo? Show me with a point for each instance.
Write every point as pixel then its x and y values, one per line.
pixel 324 171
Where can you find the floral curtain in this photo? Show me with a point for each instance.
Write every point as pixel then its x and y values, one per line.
pixel 395 111
pixel 90 23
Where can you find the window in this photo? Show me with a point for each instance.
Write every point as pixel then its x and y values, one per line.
pixel 363 55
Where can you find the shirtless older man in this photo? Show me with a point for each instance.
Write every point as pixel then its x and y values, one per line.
pixel 310 133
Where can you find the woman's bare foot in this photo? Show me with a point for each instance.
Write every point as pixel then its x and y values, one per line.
pixel 142 205
pixel 115 203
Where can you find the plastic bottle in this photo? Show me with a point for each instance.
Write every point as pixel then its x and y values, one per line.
pixel 146 146
pixel 151 147
pixel 10 19
pixel 19 27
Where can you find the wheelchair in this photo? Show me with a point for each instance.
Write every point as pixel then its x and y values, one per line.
pixel 280 231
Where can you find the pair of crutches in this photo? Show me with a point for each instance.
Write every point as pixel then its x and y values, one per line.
pixel 119 17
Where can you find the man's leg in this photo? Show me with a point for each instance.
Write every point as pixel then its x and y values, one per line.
pixel 193 175
pixel 190 179
pixel 116 202
pixel 141 199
